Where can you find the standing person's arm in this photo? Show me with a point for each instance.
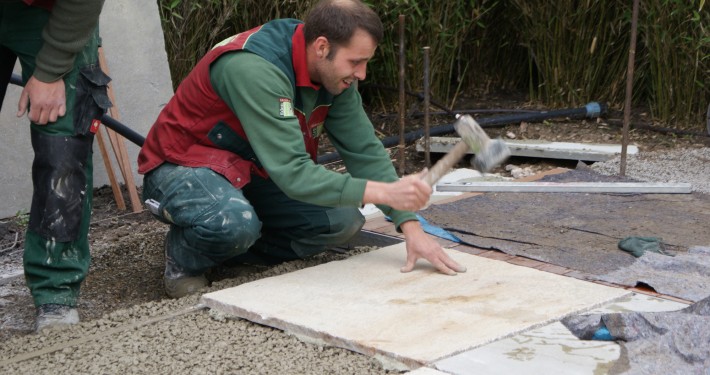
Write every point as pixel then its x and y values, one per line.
pixel 68 30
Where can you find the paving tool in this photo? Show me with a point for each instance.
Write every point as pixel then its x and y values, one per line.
pixel 489 152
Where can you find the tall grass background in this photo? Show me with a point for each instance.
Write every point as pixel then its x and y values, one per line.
pixel 560 53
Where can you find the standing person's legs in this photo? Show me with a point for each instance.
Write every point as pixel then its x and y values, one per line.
pixel 210 222
pixel 56 255
pixel 294 229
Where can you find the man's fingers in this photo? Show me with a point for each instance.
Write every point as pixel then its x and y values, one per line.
pixel 411 261
pixel 22 104
pixel 41 117
pixel 443 268
pixel 452 264
pixel 54 113
pixel 447 267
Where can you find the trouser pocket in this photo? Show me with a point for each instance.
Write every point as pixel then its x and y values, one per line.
pixel 91 101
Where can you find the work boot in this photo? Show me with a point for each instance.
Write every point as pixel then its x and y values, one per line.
pixel 52 314
pixel 178 282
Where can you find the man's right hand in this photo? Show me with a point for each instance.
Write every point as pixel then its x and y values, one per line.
pixel 410 193
pixel 47 101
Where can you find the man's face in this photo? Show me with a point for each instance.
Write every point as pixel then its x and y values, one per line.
pixel 337 71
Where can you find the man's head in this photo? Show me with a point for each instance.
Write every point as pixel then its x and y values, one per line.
pixel 341 37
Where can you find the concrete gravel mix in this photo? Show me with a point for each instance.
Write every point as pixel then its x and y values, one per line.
pixel 178 337
pixel 181 337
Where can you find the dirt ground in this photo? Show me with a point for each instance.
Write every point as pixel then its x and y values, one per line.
pixel 127 263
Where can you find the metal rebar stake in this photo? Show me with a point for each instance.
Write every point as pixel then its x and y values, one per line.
pixel 402 96
pixel 427 141
pixel 629 89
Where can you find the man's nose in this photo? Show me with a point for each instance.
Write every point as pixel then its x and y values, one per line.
pixel 361 72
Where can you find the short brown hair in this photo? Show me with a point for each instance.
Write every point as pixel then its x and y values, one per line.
pixel 337 20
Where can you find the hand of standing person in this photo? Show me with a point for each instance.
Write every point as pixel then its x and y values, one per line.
pixel 46 101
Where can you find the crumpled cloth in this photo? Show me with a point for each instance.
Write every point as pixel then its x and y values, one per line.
pixel 638 246
pixel 686 275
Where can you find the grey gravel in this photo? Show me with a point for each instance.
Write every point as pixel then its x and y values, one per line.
pixel 689 165
pixel 179 337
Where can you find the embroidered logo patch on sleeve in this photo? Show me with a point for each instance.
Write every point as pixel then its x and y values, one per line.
pixel 285 107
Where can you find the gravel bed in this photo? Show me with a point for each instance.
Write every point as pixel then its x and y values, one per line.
pixel 172 336
pixel 690 165
pixel 180 337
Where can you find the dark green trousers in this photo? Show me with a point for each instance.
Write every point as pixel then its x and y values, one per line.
pixel 56 254
pixel 212 222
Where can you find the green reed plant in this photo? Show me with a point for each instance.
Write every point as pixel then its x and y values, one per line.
pixel 189 29
pixel 578 50
pixel 192 27
pixel 447 27
pixel 678 53
pixel 566 52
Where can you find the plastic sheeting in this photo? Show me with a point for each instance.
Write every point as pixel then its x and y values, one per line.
pixel 675 342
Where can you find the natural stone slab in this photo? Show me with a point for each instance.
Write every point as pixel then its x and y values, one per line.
pixel 542 149
pixel 425 371
pixel 411 319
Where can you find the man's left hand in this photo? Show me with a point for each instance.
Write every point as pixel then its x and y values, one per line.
pixel 421 245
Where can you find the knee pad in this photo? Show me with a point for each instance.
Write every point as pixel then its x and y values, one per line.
pixel 59 175
pixel 235 226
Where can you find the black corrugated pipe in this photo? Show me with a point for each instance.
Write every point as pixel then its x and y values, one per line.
pixel 123 130
pixel 591 110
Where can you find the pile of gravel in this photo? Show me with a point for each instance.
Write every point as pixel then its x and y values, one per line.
pixel 690 165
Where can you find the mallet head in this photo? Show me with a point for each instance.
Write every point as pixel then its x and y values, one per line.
pixel 489 153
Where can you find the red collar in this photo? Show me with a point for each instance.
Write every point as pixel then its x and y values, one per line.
pixel 300 63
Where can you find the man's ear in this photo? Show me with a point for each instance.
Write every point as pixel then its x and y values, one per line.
pixel 322 46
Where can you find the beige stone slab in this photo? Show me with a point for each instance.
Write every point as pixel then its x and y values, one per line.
pixel 366 305
pixel 426 371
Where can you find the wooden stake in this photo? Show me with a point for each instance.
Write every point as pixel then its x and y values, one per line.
pixel 119 148
pixel 117 195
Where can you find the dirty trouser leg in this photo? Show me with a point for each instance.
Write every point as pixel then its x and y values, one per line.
pixel 294 229
pixel 56 255
pixel 211 221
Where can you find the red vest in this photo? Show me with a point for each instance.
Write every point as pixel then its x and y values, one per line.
pixel 46 4
pixel 184 132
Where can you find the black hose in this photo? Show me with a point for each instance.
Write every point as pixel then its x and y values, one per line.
pixel 123 130
pixel 461 112
pixel 15 79
pixel 590 110
pixel 7 64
